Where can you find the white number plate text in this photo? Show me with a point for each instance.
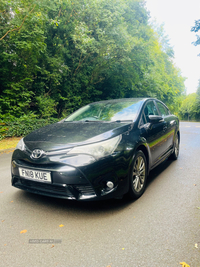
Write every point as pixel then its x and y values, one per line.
pixel 35 175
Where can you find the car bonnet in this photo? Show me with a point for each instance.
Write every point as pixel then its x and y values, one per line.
pixel 69 134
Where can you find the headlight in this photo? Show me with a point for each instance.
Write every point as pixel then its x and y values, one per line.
pixel 20 145
pixel 98 150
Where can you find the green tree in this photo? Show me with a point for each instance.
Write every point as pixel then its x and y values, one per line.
pixel 21 45
pixel 188 108
pixel 56 56
pixel 198 101
pixel 95 50
pixel 196 28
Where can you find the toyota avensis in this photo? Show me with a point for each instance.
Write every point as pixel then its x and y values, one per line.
pixel 103 150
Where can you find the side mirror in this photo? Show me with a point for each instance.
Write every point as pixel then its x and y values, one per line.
pixel 155 119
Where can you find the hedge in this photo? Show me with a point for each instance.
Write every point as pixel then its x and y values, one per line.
pixel 22 127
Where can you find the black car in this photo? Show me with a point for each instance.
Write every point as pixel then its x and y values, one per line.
pixel 103 150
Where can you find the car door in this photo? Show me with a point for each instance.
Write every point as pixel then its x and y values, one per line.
pixel 170 123
pixel 154 133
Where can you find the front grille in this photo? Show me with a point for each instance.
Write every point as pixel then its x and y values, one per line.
pixel 85 189
pixel 44 186
pixel 58 189
pixel 62 191
pixel 38 165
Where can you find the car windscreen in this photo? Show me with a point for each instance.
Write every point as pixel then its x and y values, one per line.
pixel 108 111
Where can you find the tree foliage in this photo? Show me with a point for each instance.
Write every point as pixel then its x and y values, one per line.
pixel 188 107
pixel 56 56
pixel 196 28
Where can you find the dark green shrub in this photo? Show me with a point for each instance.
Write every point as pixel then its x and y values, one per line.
pixel 22 126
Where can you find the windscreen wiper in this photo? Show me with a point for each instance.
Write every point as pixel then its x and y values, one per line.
pixel 123 121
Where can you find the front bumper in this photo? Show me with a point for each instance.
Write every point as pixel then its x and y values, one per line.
pixel 71 182
pixel 76 192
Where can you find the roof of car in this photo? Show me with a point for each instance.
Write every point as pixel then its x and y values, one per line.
pixel 123 100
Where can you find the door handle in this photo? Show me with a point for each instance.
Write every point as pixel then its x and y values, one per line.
pixel 164 128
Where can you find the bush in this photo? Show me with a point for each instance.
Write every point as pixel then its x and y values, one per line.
pixel 22 126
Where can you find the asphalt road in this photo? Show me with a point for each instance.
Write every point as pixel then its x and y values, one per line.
pixel 160 229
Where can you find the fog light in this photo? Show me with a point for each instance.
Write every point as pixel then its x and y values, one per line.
pixel 110 184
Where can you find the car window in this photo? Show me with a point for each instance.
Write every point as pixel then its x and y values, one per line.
pixel 150 109
pixel 108 111
pixel 142 120
pixel 163 110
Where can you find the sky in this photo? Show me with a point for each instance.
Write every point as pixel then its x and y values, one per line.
pixel 179 17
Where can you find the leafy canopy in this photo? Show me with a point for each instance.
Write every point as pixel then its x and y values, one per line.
pixel 56 56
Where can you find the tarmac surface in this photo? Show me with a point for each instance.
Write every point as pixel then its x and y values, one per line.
pixel 160 229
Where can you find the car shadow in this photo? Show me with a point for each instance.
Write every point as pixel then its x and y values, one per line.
pixel 158 171
pixel 101 206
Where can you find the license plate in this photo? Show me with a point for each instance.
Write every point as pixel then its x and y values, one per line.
pixel 35 175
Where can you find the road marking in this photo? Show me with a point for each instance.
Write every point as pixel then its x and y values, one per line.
pixel 190 126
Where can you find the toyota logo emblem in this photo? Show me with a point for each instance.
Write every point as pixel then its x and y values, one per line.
pixel 37 153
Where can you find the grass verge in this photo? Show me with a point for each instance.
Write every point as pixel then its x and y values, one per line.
pixel 9 143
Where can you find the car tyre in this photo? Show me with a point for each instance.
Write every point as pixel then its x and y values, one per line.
pixel 175 153
pixel 138 176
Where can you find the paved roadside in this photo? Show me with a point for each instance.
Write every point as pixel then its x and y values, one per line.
pixel 8 145
pixel 161 229
pixel 7 151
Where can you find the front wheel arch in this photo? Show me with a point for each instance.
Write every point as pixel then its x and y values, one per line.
pixel 144 149
pixel 137 175
pixel 176 149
